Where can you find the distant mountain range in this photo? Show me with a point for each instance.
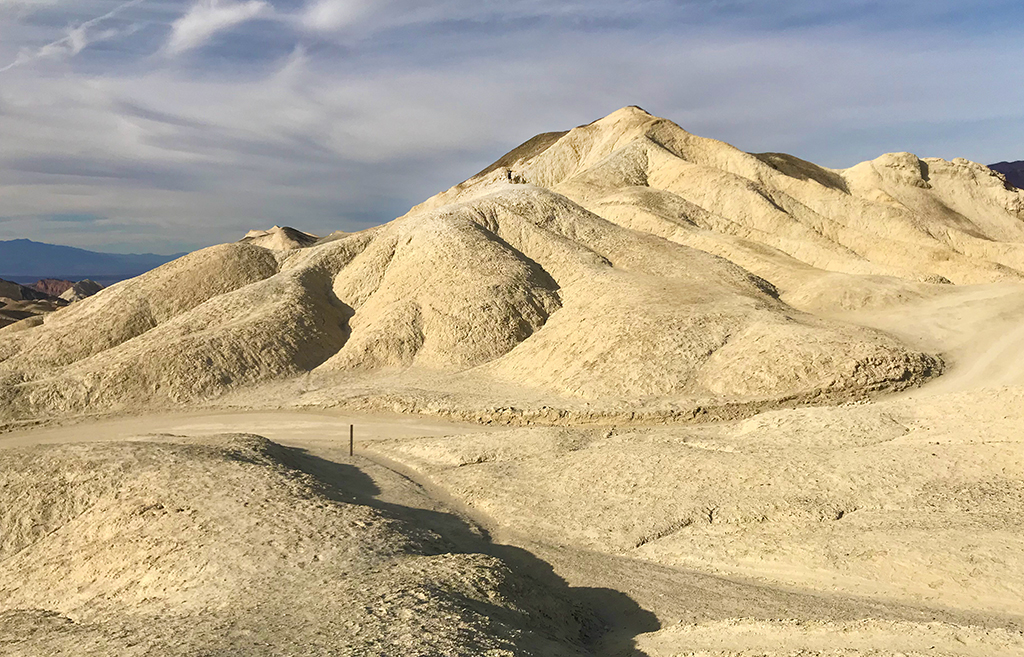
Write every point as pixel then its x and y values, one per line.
pixel 25 261
pixel 1014 172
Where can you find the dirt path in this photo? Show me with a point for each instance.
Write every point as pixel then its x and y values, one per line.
pixel 632 597
pixel 297 428
pixel 677 595
pixel 979 329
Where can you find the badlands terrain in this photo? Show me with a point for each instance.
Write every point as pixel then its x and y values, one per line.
pixel 31 302
pixel 628 391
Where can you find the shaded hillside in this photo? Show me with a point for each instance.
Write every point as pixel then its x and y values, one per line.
pixel 1014 172
pixel 81 290
pixel 18 292
pixel 280 238
pixel 26 261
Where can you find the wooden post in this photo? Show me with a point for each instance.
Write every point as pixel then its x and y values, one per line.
pixel 351 439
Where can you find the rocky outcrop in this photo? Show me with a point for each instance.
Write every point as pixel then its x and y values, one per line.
pixel 52 286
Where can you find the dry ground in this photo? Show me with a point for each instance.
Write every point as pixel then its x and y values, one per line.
pixel 885 528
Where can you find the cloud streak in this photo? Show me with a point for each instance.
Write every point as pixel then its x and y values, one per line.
pixel 77 38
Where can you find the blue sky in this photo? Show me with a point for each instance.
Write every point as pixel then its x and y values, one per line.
pixel 166 125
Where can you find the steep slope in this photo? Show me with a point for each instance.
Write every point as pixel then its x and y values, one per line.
pixel 622 270
pixel 81 290
pixel 214 319
pixel 236 545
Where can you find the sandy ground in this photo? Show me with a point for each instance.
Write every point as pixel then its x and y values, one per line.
pixel 660 607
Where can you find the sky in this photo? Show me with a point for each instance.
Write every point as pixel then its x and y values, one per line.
pixel 165 126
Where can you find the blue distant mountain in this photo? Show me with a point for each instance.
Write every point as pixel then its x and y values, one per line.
pixel 25 261
pixel 1014 172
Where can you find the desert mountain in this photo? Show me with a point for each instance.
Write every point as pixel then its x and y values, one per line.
pixel 53 287
pixel 30 302
pixel 25 260
pixel 1014 172
pixel 623 269
pixel 18 292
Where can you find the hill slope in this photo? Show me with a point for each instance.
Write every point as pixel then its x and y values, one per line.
pixel 780 217
pixel 624 269
pixel 233 544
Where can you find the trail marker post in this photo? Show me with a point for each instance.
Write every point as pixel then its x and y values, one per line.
pixel 351 439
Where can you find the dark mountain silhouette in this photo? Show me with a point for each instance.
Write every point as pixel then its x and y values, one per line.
pixel 1014 172
pixel 26 261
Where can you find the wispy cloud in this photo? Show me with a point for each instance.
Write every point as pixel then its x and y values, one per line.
pixel 77 38
pixel 185 124
pixel 208 17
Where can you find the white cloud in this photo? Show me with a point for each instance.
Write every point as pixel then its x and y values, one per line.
pixel 206 18
pixel 336 14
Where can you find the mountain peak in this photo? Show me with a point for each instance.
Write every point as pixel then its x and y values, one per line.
pixel 279 238
pixel 632 110
pixel 631 114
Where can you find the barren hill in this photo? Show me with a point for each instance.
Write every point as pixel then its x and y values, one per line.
pixel 81 290
pixel 18 292
pixel 621 270
pixel 53 287
pixel 236 545
pixel 280 238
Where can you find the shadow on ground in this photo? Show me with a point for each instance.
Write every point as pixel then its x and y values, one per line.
pixel 610 619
